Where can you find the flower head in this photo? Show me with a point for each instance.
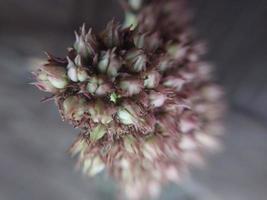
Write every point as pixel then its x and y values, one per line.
pixel 140 96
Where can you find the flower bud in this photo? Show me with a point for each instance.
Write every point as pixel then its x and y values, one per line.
pixel 43 83
pixel 101 113
pixel 98 132
pixel 109 64
pixel 139 40
pixel 85 44
pixel 130 20
pixel 147 42
pixel 172 174
pixel 174 82
pixel 168 124
pixel 45 86
pixel 188 143
pixel 126 117
pixel 211 92
pixel 56 75
pixel 98 86
pixel 93 166
pixel 136 60
pixel 152 79
pixel 54 70
pixel 188 122
pixel 92 85
pixel 59 83
pixel 135 4
pixel 130 86
pixel 150 150
pixel 79 146
pixel 72 70
pixel 75 70
pixel 111 35
pixel 157 99
pixel 128 141
pixel 82 74
pixel 177 51
pixel 165 63
pixel 132 114
pixel 74 107
pixel 41 76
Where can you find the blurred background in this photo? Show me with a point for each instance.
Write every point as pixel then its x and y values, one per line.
pixel 33 140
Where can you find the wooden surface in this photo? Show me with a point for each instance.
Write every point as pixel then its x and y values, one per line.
pixel 33 141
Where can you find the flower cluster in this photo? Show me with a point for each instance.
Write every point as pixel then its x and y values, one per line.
pixel 141 97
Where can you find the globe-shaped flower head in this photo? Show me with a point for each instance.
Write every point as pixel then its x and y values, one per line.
pixel 140 95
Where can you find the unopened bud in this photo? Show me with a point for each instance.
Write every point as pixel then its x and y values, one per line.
pixel 152 79
pixel 100 112
pixel 126 117
pixel 72 70
pixel 129 143
pixel 157 99
pixel 82 74
pixel 109 64
pixel 45 86
pixel 136 60
pixel 56 75
pixel 85 44
pixel 188 122
pixel 74 107
pixel 131 86
pixel 98 132
pixel 93 166
pixel 174 82
pixel 111 35
pixel 75 70
pixel 98 86
pixel 177 51
pixel 130 20
pixel 139 40
pixel 148 42
pixel 135 4
pixel 59 83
